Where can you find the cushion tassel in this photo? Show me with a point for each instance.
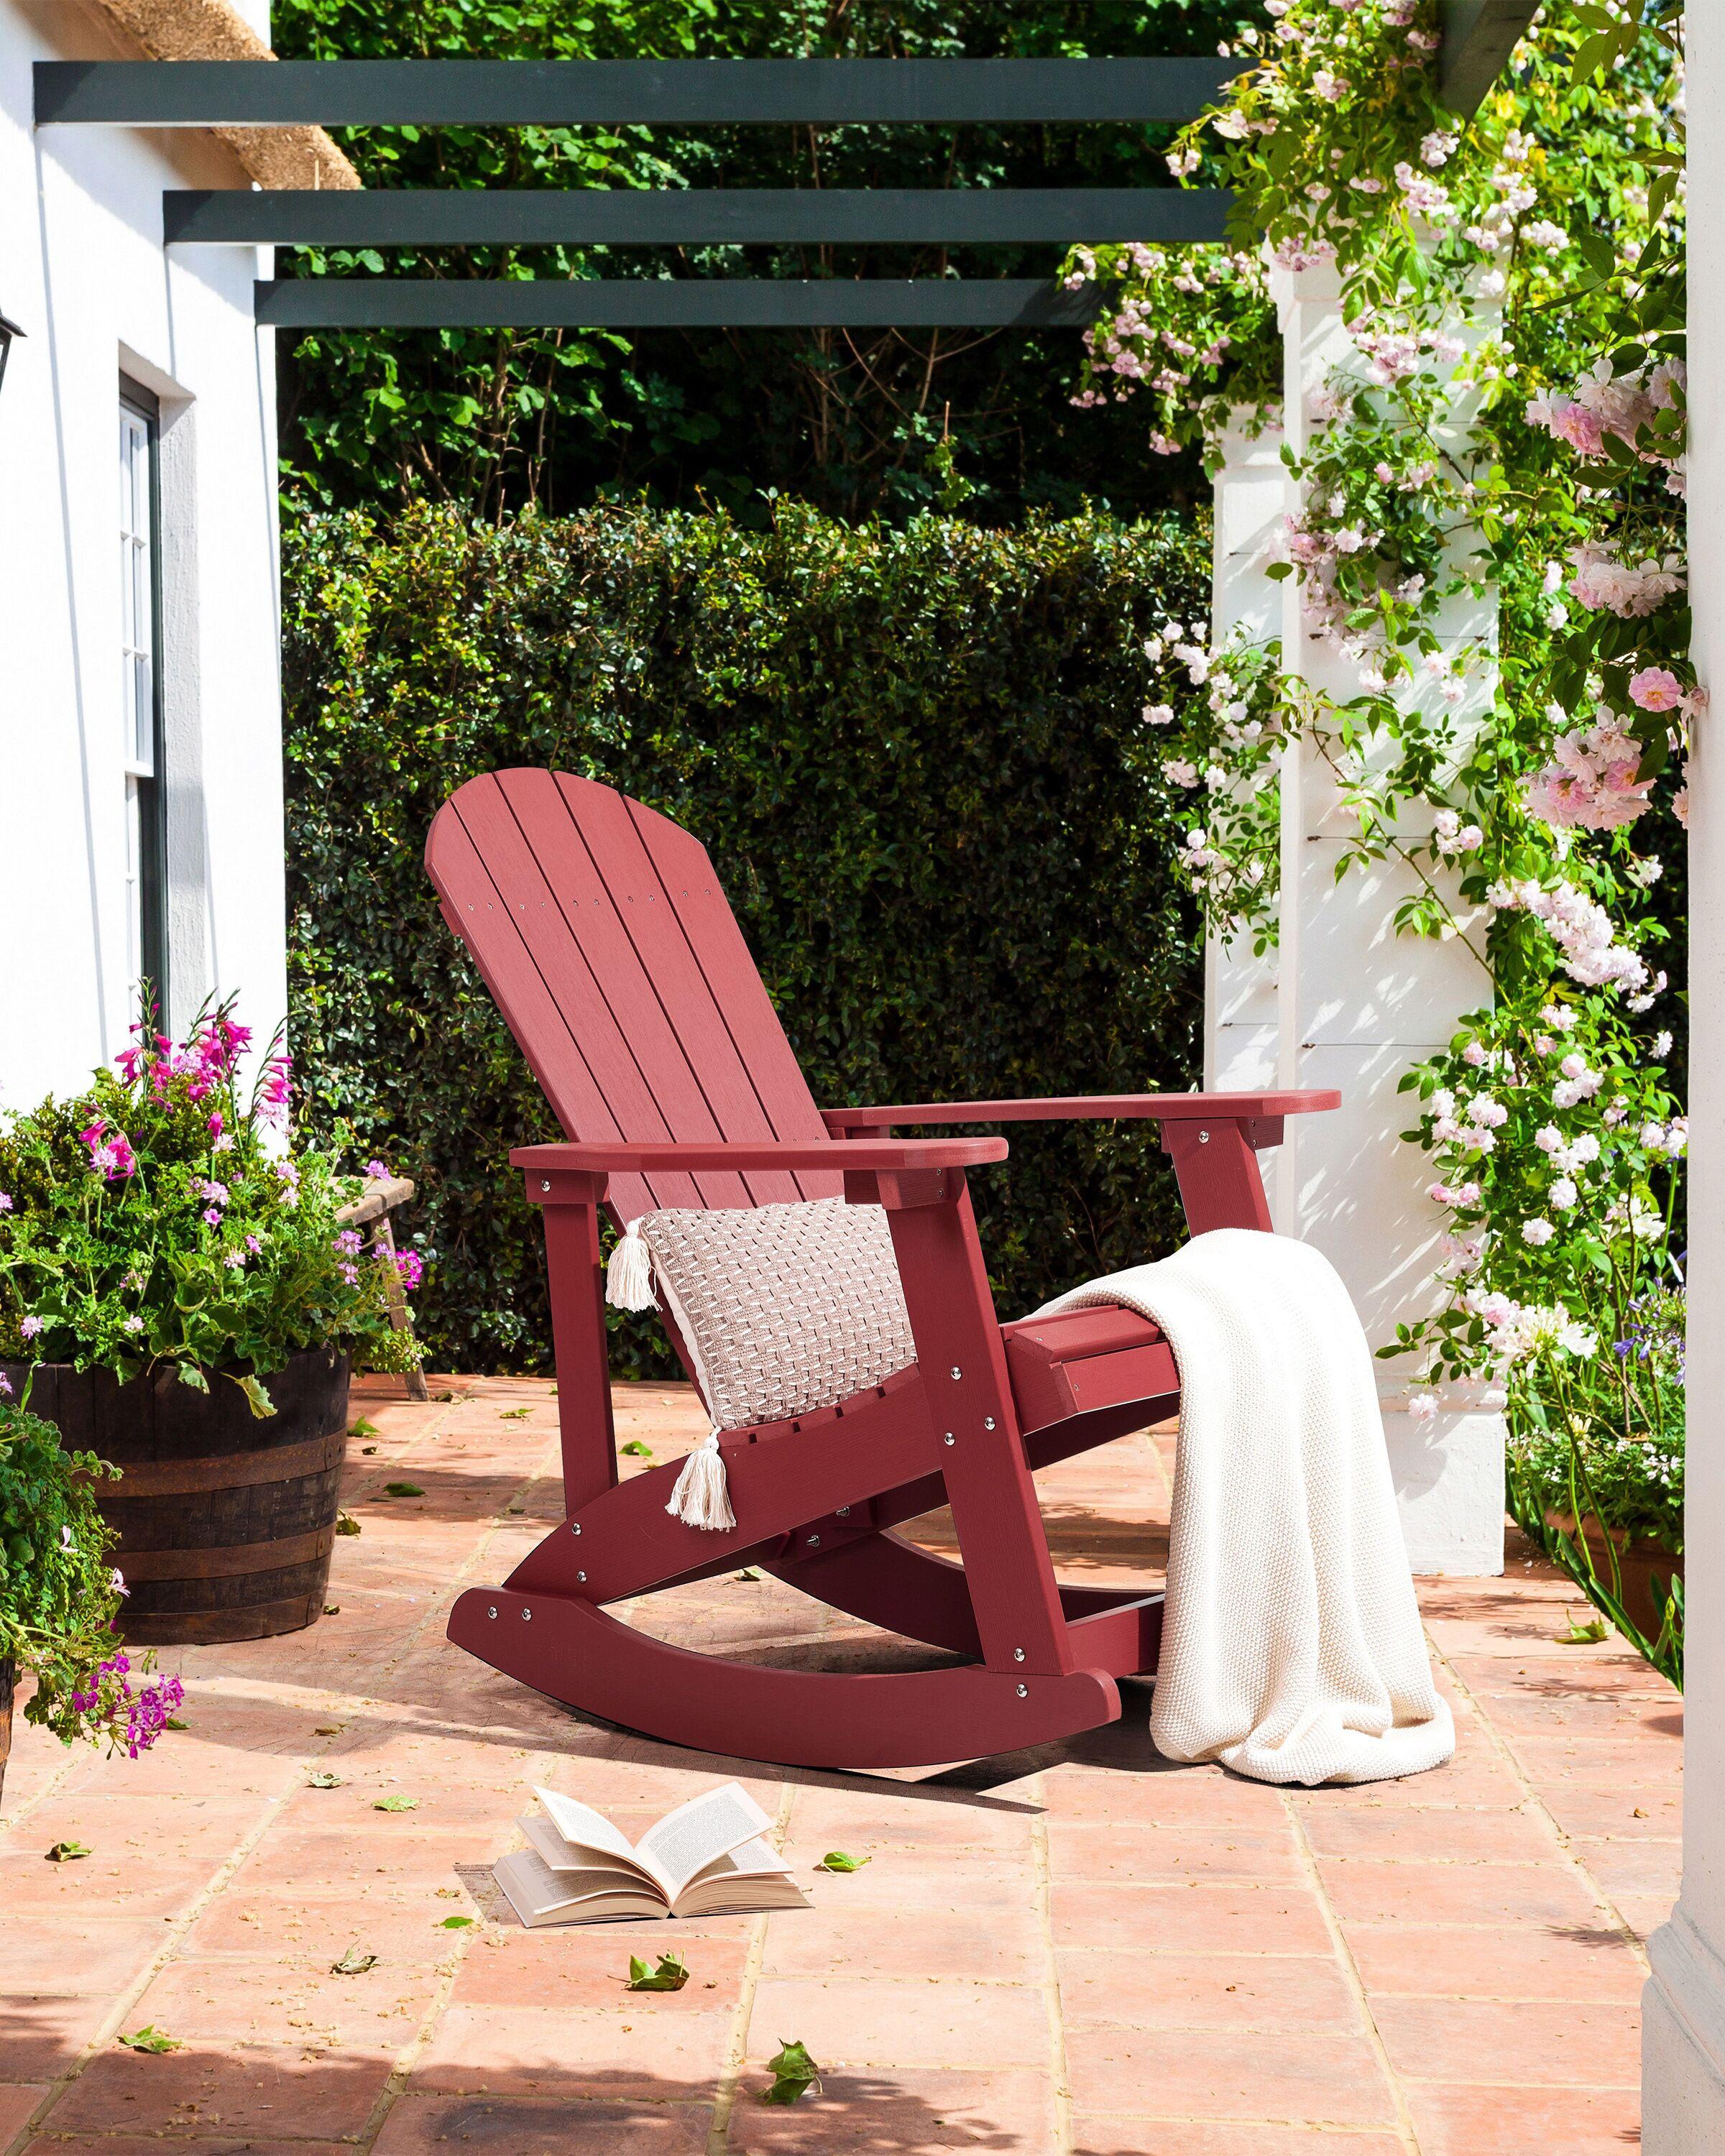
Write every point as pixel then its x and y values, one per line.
pixel 628 1276
pixel 701 1498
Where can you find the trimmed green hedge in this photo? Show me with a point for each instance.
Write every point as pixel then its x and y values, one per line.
pixel 918 758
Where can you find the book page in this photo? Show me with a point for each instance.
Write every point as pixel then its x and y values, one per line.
pixel 535 1893
pixel 571 1860
pixel 695 1834
pixel 582 1825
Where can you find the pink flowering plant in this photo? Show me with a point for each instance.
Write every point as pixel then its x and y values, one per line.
pixel 1485 535
pixel 61 1593
pixel 163 1217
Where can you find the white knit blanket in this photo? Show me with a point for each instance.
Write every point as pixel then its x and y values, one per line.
pixel 1291 1648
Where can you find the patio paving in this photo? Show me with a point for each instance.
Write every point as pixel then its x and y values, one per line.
pixel 1084 1950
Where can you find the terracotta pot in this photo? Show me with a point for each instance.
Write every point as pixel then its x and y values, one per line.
pixel 226 1522
pixel 8 1679
pixel 1640 1560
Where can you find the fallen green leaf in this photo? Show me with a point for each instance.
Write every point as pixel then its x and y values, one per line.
pixel 835 1860
pixel 368 1449
pixel 63 1852
pixel 332 1610
pixel 353 1962
pixel 456 1923
pixel 403 1490
pixel 323 1780
pixel 748 1572
pixel 174 1722
pixel 150 2038
pixel 345 1524
pixel 443 1396
pixel 1582 1635
pixel 513 1415
pixel 671 1975
pixel 365 1427
pixel 636 1449
pixel 795 2073
pixel 396 1804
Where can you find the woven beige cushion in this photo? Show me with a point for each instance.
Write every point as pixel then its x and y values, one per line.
pixel 785 1308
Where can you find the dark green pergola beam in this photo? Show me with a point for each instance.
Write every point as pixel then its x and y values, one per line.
pixel 1478 38
pixel 615 93
pixel 674 303
pixel 622 217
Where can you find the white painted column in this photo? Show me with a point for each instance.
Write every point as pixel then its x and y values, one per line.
pixel 1345 1001
pixel 1683 2039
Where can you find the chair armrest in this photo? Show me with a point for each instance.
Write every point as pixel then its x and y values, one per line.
pixel 1093 1107
pixel 621 1156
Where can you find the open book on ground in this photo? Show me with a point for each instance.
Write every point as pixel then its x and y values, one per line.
pixel 705 1859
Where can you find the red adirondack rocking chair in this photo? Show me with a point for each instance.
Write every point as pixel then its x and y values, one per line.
pixel 603 933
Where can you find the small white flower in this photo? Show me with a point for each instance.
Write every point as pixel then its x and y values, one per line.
pixel 1563 1194
pixel 1538 1233
pixel 65 1537
pixel 1422 1406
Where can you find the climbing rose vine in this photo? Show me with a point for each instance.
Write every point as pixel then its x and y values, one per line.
pixel 1485 527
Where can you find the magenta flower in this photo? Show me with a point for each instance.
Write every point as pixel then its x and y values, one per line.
pixel 213 1216
pixel 349 1241
pixel 215 1124
pixel 377 1168
pixel 29 1326
pixel 410 1269
pixel 5 1201
pixel 1657 689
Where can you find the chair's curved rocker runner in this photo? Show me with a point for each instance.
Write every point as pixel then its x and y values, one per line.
pixel 602 931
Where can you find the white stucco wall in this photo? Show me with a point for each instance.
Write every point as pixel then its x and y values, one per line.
pixel 83 271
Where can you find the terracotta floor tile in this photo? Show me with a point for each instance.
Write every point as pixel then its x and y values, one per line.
pixel 327 1858
pixel 629 2049
pixel 589 1966
pixel 1206 1798
pixel 1203 2074
pixel 208 2143
pixel 280 2090
pixel 1000 1946
pixel 1236 1992
pixel 1616 1811
pixel 1496 1962
pixel 74 1953
pixel 912 1885
pixel 1644 1913
pixel 1139 1854
pixel 572 2126
pixel 1509 2121
pixel 41 2033
pixel 1512 2043
pixel 1149 2136
pixel 872 1819
pixel 296 1927
pixel 1451 1837
pixel 268 2001
pixel 1196 1918
pixel 909 2112
pixel 1633 1867
pixel 17 2099
pixel 886 2021
pixel 1369 1891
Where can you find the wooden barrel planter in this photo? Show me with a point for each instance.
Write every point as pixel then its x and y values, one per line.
pixel 1639 1562
pixel 226 1521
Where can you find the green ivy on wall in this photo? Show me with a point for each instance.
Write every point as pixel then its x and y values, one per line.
pixel 920 759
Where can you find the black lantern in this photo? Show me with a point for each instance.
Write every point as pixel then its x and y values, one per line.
pixel 8 331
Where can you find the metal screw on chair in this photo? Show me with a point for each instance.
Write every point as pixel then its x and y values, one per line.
pixel 574 1527
pixel 1024 1691
pixel 1203 1137
pixel 526 1616
pixel 948 1439
pixel 815 1542
pixel 844 1511
pixel 492 1611
pixel 957 1373
pixel 581 1577
pixel 987 1422
pixel 545 1185
pixel 1018 1654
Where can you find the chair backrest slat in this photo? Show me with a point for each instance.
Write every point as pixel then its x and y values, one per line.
pixel 606 941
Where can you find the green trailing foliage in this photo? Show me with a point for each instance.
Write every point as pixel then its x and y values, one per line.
pixel 919 758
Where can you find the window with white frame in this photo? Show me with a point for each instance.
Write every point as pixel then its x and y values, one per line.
pixel 140 692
